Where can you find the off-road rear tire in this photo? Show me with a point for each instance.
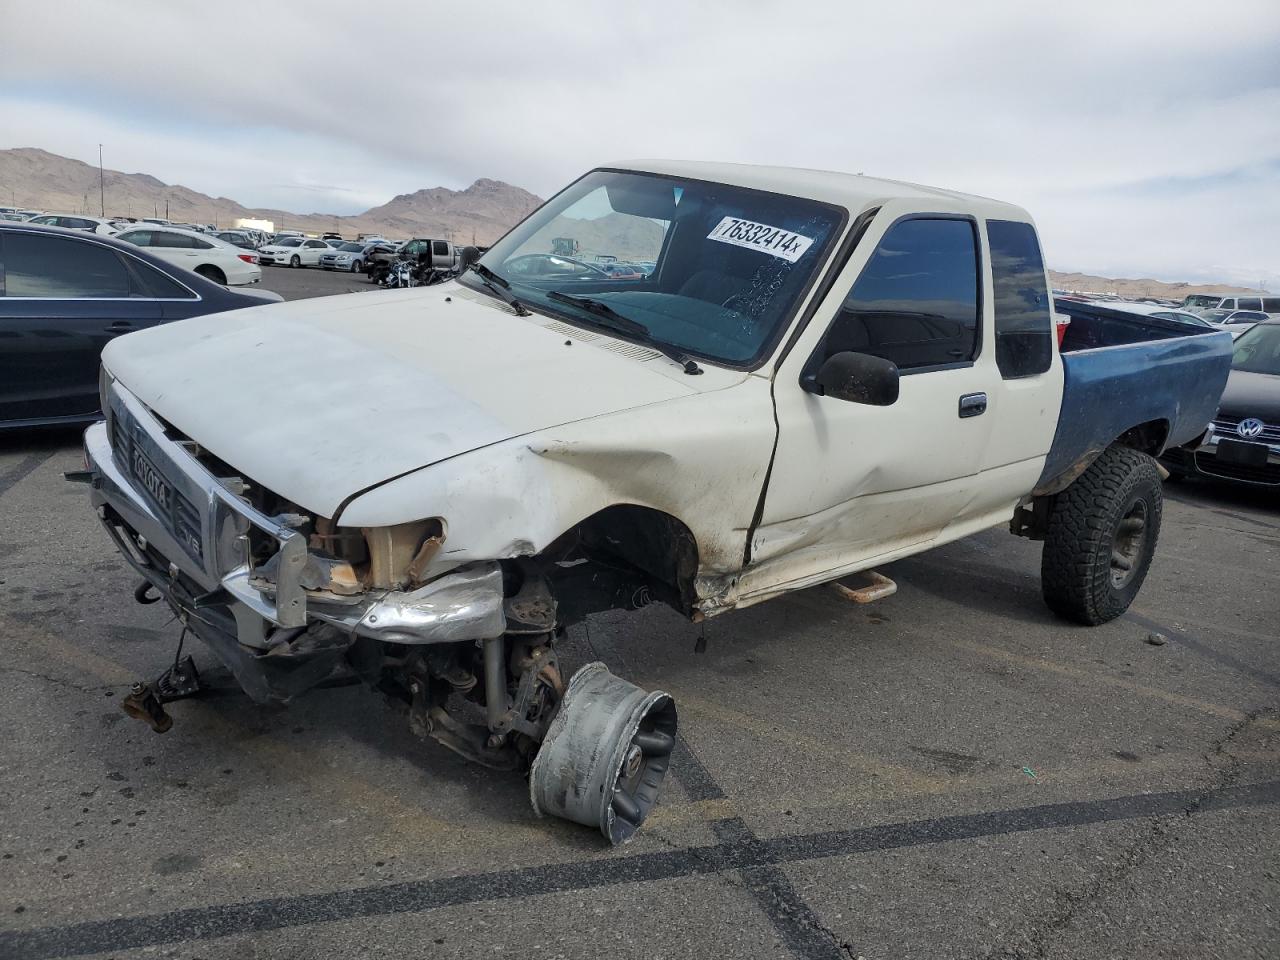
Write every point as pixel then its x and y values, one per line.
pixel 1107 518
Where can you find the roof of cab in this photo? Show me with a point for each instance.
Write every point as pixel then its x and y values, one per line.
pixel 852 191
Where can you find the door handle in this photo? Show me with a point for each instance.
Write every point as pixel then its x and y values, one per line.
pixel 973 405
pixel 120 326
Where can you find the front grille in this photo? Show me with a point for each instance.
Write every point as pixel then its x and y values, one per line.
pixel 186 525
pixel 183 517
pixel 1226 426
pixel 1212 466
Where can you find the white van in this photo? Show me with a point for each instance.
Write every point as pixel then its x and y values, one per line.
pixel 1265 304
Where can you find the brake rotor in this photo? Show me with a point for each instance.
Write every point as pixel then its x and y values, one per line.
pixel 605 754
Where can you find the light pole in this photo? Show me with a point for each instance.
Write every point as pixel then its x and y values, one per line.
pixel 102 190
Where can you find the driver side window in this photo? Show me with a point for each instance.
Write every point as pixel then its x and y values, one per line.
pixel 916 301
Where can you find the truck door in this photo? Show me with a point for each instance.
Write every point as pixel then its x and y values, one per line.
pixel 851 481
pixel 1023 373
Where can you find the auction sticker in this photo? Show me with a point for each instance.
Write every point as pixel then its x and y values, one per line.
pixel 760 236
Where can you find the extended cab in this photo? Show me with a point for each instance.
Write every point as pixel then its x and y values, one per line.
pixel 822 373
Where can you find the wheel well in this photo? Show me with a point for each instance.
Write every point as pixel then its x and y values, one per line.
pixel 210 272
pixel 1146 437
pixel 1030 519
pixel 626 544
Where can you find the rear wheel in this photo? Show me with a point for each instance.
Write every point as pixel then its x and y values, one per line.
pixel 1101 536
pixel 210 272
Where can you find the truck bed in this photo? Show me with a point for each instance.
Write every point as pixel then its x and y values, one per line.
pixel 1122 371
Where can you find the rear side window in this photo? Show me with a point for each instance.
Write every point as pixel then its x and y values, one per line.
pixel 439 248
pixel 916 301
pixel 1250 303
pixel 62 268
pixel 1024 329
pixel 177 241
pixel 155 284
pixel 1271 304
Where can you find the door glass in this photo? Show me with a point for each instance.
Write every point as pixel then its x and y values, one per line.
pixel 1024 329
pixel 153 283
pixel 172 240
pixel 62 268
pixel 916 301
pixel 1250 303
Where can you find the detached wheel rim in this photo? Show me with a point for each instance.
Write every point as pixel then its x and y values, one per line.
pixel 606 754
pixel 1128 544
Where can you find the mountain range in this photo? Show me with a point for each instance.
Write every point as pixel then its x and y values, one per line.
pixel 37 179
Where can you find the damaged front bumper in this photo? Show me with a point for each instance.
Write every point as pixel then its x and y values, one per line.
pixel 193 539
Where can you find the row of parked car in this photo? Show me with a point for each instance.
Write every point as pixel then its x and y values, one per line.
pixel 231 257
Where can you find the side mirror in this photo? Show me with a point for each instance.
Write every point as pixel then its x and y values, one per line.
pixel 466 257
pixel 858 378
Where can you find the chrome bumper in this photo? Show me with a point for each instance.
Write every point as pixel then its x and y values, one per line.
pixel 203 531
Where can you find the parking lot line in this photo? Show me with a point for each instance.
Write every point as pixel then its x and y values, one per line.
pixel 15 475
pixel 215 922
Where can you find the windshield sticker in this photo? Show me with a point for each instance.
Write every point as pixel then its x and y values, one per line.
pixel 760 236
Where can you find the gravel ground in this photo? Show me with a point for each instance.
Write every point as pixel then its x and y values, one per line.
pixel 946 773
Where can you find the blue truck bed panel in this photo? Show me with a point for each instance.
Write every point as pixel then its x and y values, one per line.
pixel 1151 370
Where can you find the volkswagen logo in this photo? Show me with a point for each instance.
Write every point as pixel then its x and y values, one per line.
pixel 1249 428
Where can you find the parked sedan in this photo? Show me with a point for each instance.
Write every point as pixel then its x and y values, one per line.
pixel 1160 312
pixel 210 257
pixel 1244 441
pixel 349 256
pixel 238 238
pixel 1234 322
pixel 294 252
pixel 77 222
pixel 63 295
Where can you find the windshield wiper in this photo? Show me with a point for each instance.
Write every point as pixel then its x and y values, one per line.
pixel 500 287
pixel 613 320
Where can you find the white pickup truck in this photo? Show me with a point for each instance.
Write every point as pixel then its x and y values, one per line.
pixel 806 375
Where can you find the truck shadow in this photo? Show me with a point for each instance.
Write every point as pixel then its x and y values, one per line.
pixel 982 588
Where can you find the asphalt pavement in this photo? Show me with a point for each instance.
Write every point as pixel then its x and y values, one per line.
pixel 949 772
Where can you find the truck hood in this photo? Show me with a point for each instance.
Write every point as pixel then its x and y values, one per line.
pixel 318 400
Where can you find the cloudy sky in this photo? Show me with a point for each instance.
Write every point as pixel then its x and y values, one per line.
pixel 1144 137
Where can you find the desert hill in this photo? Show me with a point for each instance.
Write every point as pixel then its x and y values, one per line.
pixel 41 180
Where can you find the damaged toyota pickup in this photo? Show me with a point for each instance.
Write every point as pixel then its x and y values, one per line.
pixel 796 377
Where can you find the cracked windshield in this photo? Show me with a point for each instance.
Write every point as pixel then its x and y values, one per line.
pixel 709 269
